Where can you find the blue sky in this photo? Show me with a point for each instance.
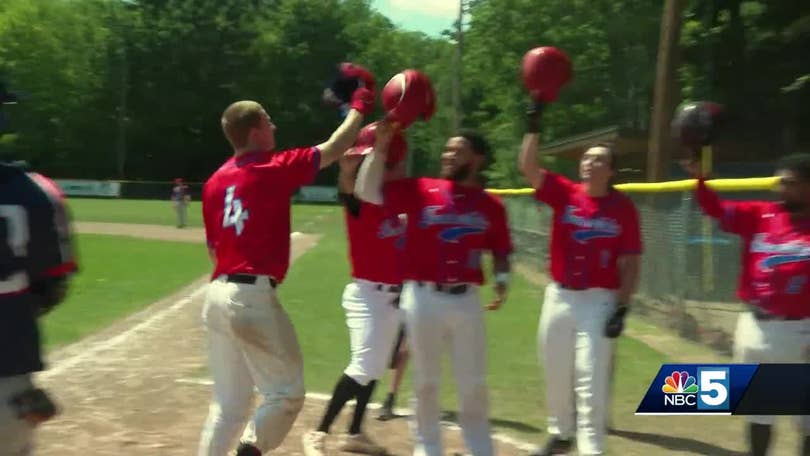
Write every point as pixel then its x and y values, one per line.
pixel 429 16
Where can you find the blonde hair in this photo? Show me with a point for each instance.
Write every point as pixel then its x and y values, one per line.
pixel 239 119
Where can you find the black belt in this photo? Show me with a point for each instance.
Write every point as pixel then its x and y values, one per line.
pixel 448 288
pixel 571 287
pixel 388 288
pixel 762 315
pixel 248 279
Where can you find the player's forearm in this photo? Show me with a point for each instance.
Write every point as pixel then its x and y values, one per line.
pixel 708 200
pixel 501 267
pixel 368 186
pixel 629 268
pixel 527 160
pixel 341 139
pixel 346 181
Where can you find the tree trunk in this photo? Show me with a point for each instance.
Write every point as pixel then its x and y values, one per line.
pixel 667 92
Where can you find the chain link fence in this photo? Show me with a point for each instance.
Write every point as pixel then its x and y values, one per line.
pixel 689 271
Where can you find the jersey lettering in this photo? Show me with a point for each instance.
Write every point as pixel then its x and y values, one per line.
pixel 234 215
pixel 17 236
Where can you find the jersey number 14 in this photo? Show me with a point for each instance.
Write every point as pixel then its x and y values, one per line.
pixel 235 215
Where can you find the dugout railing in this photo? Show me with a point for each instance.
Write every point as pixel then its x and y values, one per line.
pixel 689 270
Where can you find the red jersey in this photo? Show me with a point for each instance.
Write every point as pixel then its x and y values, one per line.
pixel 449 226
pixel 588 234
pixel 376 242
pixel 246 208
pixel 775 254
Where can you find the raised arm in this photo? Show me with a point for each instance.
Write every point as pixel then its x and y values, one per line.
pixel 527 159
pixel 342 138
pixel 369 183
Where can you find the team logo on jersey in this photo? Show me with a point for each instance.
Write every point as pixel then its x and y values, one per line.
pixel 393 227
pixel 778 254
pixel 462 224
pixel 590 228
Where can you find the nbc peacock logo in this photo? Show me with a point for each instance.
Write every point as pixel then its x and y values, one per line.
pixel 680 383
pixel 680 389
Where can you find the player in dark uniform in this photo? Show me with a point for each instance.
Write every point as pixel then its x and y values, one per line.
pixel 36 262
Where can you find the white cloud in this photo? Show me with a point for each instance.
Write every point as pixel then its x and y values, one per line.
pixel 436 8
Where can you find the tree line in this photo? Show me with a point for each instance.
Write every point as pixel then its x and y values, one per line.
pixel 134 89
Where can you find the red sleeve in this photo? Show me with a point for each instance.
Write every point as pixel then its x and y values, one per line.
pixel 401 196
pixel 554 190
pixel 300 165
pixel 630 241
pixel 499 239
pixel 737 217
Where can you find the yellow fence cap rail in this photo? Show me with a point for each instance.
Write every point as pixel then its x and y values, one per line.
pixel 722 185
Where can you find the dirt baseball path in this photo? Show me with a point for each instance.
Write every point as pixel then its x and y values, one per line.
pixel 138 387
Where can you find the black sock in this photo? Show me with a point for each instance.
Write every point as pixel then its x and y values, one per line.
pixel 759 436
pixel 363 396
pixel 389 401
pixel 806 446
pixel 345 390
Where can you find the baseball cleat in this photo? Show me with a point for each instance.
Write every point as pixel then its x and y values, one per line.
pixel 554 445
pixel 314 443
pixel 360 443
pixel 246 449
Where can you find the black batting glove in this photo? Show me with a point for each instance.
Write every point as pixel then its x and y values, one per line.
pixel 615 324
pixel 533 114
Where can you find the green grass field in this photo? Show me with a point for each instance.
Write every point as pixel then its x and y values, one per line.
pixel 112 284
pixel 155 212
pixel 109 288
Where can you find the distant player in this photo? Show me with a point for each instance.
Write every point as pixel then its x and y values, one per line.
pixel 595 255
pixel 452 222
pixel 251 340
pixel 36 263
pixel 181 196
pixel 775 328
pixel 371 300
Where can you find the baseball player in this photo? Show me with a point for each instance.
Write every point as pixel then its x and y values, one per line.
pixel 775 328
pixel 251 341
pixel 36 263
pixel 595 252
pixel 180 199
pixel 451 222
pixel 399 361
pixel 371 301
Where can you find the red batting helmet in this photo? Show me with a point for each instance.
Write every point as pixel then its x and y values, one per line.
pixel 365 143
pixel 545 71
pixel 409 96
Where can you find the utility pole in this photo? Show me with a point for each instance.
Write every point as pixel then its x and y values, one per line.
pixel 667 92
pixel 457 111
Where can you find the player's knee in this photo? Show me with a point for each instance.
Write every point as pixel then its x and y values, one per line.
pixel 231 412
pixel 474 400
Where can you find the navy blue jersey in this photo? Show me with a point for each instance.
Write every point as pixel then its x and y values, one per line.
pixel 35 245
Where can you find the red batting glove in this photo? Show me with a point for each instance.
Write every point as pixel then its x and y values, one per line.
pixel 363 100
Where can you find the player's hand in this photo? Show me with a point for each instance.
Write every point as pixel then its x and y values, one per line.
pixel 500 297
pixel 615 324
pixel 352 88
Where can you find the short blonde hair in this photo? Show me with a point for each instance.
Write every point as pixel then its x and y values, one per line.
pixel 239 119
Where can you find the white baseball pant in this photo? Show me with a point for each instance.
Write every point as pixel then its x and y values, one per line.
pixel 434 320
pixel 181 208
pixel 576 357
pixel 373 322
pixel 771 341
pixel 251 343
pixel 16 435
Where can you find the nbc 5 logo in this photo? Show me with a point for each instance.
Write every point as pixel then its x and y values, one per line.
pixel 708 391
